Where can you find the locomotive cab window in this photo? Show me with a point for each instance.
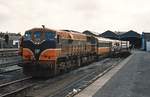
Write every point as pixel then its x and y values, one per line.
pixel 37 36
pixel 27 36
pixel 50 35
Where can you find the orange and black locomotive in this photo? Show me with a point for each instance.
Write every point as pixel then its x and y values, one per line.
pixel 47 52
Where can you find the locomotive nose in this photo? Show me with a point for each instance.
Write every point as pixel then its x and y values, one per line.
pixel 27 54
pixel 50 54
pixel 37 51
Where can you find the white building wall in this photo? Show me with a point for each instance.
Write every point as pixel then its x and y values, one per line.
pixel 143 44
pixel 147 45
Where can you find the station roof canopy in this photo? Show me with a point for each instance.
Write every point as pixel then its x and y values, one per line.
pixel 109 34
pixel 87 32
pixel 131 34
pixel 120 35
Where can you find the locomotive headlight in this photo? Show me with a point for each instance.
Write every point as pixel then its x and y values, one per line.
pixel 37 42
pixel 37 51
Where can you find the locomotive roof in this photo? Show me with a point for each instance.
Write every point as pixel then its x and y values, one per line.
pixel 65 34
pixel 101 39
pixel 70 31
pixel 37 29
pixel 73 35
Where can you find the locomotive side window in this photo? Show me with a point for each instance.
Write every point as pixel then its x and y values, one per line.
pixel 27 36
pixel 50 35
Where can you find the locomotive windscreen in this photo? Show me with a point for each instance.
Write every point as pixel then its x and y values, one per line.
pixel 27 36
pixel 50 35
pixel 37 36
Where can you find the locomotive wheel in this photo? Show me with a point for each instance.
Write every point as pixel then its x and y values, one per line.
pixel 69 66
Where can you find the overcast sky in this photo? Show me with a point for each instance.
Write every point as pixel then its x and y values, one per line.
pixel 95 15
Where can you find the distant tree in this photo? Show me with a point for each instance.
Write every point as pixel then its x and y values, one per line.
pixel 1 34
pixel 19 34
pixel 6 37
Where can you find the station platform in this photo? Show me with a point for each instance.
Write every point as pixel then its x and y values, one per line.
pixel 130 78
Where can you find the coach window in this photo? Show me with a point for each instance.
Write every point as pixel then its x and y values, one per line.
pixel 50 35
pixel 27 36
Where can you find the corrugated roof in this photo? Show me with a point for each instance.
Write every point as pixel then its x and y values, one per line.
pixel 109 34
pixel 119 33
pixel 131 33
pixel 87 32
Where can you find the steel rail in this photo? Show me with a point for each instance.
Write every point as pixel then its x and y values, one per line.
pixel 23 84
pixel 13 82
pixel 93 75
pixel 16 91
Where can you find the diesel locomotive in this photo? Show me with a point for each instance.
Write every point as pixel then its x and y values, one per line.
pixel 47 52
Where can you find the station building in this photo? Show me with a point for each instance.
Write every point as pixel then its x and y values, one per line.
pixel 133 37
pixel 13 40
pixel 146 41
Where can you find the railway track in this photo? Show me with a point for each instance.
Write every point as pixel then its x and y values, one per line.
pixel 66 85
pixel 82 82
pixel 17 87
pixel 85 82
pixel 9 52
pixel 11 75
pixel 12 82
pixel 11 68
pixel 9 58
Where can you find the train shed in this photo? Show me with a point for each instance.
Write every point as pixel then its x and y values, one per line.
pixel 87 32
pixel 132 36
pixel 109 34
